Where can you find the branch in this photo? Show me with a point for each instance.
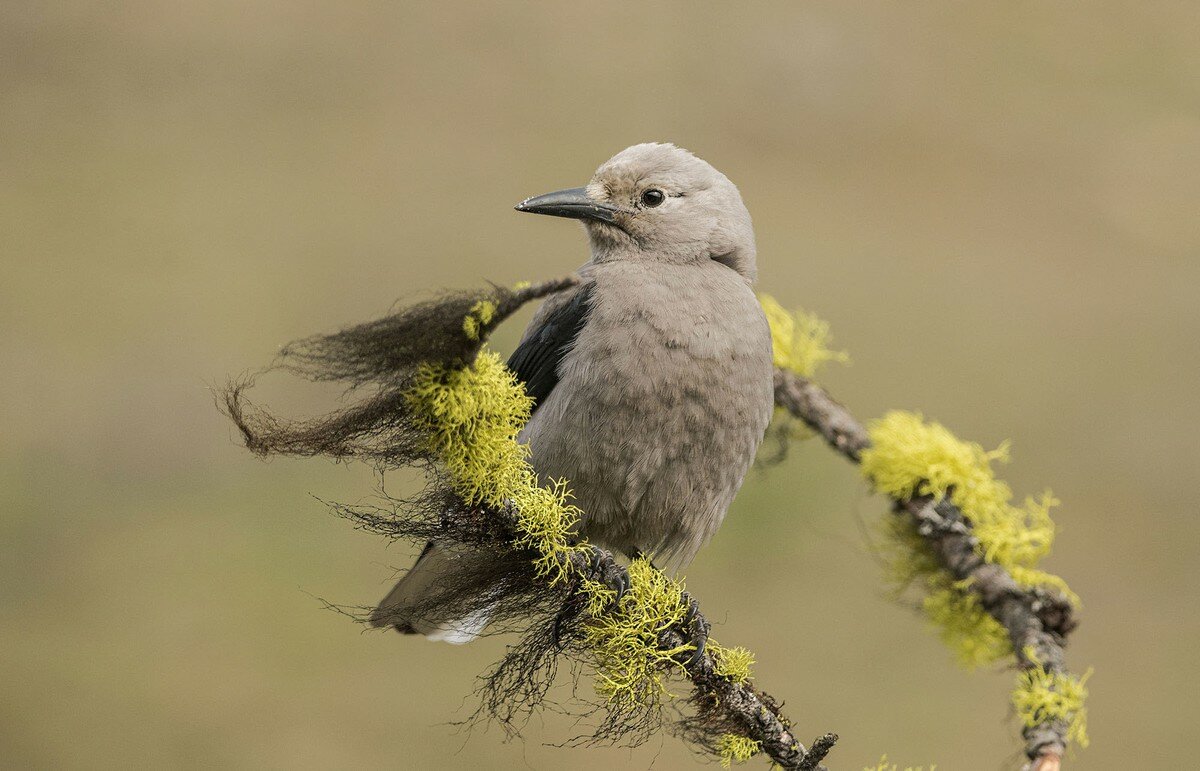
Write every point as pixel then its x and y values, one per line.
pixel 1038 620
pixel 753 711
pixel 441 404
pixel 423 358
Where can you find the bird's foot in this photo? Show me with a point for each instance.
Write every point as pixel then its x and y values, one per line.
pixel 696 628
pixel 606 570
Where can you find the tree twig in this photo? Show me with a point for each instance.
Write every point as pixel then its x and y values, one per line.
pixel 1038 620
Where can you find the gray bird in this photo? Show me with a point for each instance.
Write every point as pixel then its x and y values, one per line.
pixel 651 380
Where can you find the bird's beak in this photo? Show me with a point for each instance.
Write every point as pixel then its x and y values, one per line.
pixel 574 203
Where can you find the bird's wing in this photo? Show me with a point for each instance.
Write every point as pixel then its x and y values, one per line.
pixel 549 337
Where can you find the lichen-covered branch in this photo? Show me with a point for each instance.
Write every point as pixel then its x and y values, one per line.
pixel 738 701
pixel 1037 619
pixel 441 401
pixel 432 396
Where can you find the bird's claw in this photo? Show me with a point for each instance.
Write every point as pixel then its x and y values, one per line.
pixel 697 628
pixel 606 570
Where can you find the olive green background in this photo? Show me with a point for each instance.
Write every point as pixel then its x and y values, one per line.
pixel 994 204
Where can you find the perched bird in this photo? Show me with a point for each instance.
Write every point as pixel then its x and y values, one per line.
pixel 651 380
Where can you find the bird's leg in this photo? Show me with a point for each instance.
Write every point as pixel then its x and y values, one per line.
pixel 606 570
pixel 638 554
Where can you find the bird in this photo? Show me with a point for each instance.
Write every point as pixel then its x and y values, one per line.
pixel 651 380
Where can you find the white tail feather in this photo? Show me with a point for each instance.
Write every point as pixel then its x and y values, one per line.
pixel 399 608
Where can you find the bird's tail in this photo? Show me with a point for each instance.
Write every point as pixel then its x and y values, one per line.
pixel 419 604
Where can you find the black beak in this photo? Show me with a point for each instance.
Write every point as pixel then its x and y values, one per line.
pixel 573 203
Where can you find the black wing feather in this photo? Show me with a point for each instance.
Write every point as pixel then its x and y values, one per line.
pixel 536 360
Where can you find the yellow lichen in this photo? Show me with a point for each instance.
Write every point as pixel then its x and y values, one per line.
pixel 906 555
pixel 975 638
pixel 911 457
pixel 736 749
pixel 799 340
pixel 732 663
pixel 546 523
pixel 472 417
pixel 1031 578
pixel 478 317
pixel 884 765
pixel 624 644
pixel 965 627
pixel 1042 696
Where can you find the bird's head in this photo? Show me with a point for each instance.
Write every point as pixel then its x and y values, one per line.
pixel 658 202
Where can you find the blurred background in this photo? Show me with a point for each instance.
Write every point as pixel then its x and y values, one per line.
pixel 995 205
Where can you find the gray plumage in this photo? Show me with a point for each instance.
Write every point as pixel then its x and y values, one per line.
pixel 652 378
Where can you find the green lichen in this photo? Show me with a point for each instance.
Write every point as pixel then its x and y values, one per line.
pixel 1042 696
pixel 907 555
pixel 1032 578
pixel 736 749
pixel 799 340
pixel 546 523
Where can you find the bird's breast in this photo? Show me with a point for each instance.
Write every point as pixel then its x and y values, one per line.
pixel 660 406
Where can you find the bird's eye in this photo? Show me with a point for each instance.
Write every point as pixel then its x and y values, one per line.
pixel 653 197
